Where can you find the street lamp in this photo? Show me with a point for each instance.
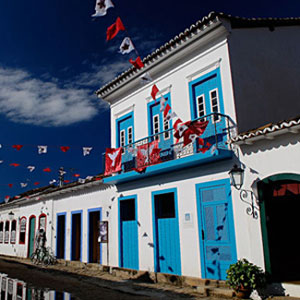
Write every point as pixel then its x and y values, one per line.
pixel 236 177
pixel 237 180
pixel 11 215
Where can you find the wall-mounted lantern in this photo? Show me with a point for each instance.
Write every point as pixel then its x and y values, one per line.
pixel 11 215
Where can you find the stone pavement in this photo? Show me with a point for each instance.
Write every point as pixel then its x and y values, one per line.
pixel 133 282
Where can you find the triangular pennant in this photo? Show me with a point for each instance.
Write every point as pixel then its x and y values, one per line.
pixel 154 92
pixel 113 29
pixel 86 150
pixel 47 170
pixel 23 184
pixel 137 63
pixel 31 168
pixel 64 148
pixel 42 149
pixel 146 78
pixel 14 165
pixel 101 7
pixel 17 147
pixel 126 46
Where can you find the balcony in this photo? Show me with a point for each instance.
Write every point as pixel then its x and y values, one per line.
pixel 161 153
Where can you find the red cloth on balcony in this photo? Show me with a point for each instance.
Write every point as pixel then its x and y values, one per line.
pixel 113 160
pixel 147 155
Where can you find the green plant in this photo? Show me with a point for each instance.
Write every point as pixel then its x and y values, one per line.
pixel 245 275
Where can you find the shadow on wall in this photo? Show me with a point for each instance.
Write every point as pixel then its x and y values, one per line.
pixel 265 144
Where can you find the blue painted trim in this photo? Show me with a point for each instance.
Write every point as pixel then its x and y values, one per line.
pixel 171 166
pixel 57 215
pixel 198 186
pixel 170 190
pixel 81 229
pixel 119 224
pixel 192 95
pixel 88 232
pixel 150 117
pixel 128 115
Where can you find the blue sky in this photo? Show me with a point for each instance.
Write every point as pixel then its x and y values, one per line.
pixel 53 56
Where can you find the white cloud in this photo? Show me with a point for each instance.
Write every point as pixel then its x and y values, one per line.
pixel 25 99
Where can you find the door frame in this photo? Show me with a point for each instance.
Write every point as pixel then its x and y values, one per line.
pixel 119 228
pixel 155 253
pixel 231 227
pixel 65 231
pixel 29 231
pixel 90 210
pixel 71 237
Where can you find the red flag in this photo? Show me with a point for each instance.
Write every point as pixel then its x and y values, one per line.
pixel 154 92
pixel 113 29
pixel 36 183
pixel 14 165
pixel 10 185
pixel 66 181
pixel 166 110
pixel 113 160
pixel 205 148
pixel 137 63
pixel 76 175
pixel 147 155
pixel 47 170
pixel 64 148
pixel 6 198
pixel 17 147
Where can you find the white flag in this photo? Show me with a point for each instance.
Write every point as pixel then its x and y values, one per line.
pixel 126 46
pixel 81 180
pixel 1 161
pixel 42 149
pixel 31 168
pixel 146 78
pixel 23 184
pixel 101 7
pixel 6 199
pixel 89 177
pixel 86 150
pixel 162 104
pixel 52 181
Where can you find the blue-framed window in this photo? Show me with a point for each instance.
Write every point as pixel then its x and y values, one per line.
pixel 125 130
pixel 206 95
pixel 156 123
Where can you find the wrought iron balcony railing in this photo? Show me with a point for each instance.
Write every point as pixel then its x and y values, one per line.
pixel 163 146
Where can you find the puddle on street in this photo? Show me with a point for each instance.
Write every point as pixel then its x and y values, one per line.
pixel 15 289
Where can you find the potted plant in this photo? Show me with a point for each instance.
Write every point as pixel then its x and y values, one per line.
pixel 244 277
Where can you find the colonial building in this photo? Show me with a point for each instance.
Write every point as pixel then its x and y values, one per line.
pixel 171 208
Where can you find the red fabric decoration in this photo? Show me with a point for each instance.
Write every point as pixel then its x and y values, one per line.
pixel 64 148
pixel 137 63
pixel 10 185
pixel 205 148
pixel 113 160
pixel 113 29
pixel 147 155
pixel 154 92
pixel 76 175
pixel 36 183
pixel 17 147
pixel 166 110
pixel 14 165
pixel 47 170
pixel 66 181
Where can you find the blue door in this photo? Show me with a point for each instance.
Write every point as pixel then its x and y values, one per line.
pixel 128 233
pixel 157 124
pixel 207 98
pixel 166 233
pixel 216 228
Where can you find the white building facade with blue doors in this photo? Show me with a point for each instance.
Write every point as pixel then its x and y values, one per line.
pixel 178 216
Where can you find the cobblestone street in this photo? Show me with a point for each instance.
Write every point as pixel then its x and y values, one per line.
pixel 89 283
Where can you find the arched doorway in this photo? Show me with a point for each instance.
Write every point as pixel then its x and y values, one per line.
pixel 31 235
pixel 280 207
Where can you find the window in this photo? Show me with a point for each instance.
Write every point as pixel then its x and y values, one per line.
pixel 1 232
pixel 166 127
pixel 156 126
pixel 22 230
pixel 42 222
pixel 165 206
pixel 122 139
pixel 129 135
pixel 215 104
pixel 13 232
pixel 201 107
pixel 127 210
pixel 6 233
